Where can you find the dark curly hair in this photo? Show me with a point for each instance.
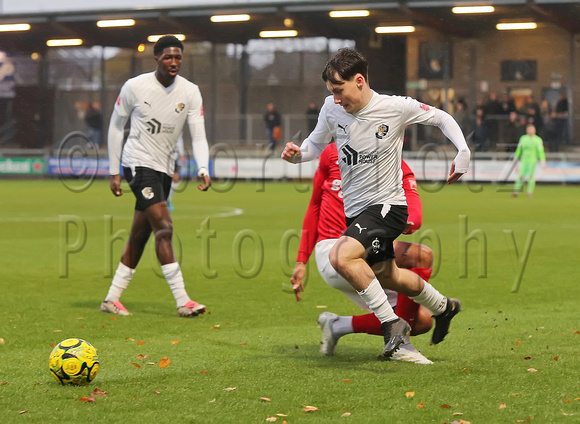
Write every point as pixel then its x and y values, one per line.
pixel 164 42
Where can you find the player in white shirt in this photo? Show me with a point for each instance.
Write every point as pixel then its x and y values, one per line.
pixel 368 129
pixel 159 103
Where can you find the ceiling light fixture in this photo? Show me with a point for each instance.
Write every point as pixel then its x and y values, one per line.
pixel 349 13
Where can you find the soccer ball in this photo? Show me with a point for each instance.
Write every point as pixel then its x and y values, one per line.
pixel 74 361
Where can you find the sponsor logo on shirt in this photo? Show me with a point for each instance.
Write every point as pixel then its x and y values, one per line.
pixel 153 126
pixel 342 127
pixel 352 157
pixel 167 129
pixel 147 193
pixel 382 131
pixel 180 107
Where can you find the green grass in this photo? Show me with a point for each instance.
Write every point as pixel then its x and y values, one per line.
pixel 258 339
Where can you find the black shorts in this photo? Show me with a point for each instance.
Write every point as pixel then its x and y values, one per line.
pixel 148 186
pixel 377 232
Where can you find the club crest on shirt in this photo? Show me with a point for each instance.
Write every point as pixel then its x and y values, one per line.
pixel 180 107
pixel 376 246
pixel 382 131
pixel 147 193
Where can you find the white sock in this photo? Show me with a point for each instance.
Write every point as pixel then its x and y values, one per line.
pixel 342 326
pixel 174 278
pixel 431 299
pixel 121 280
pixel 375 297
pixel 172 190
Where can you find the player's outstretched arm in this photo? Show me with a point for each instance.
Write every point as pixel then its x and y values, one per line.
pixel 453 176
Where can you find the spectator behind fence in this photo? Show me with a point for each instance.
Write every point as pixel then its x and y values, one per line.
pixel 507 104
pixel 312 116
pixel 562 118
pixel 272 120
pixel 463 118
pixel 94 121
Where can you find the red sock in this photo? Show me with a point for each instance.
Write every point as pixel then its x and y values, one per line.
pixel 368 323
pixel 406 308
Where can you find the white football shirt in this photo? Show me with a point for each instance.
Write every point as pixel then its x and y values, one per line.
pixel 158 114
pixel 370 143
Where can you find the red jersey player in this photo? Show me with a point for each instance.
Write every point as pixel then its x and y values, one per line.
pixel 323 225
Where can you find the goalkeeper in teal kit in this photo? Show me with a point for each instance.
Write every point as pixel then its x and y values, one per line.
pixel 530 150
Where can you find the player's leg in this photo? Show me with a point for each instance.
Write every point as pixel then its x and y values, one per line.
pixel 417 258
pixel 334 326
pixel 132 252
pixel 161 223
pixel 366 242
pixel 410 284
pixel 531 173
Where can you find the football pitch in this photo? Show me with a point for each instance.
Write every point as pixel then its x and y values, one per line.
pixel 512 355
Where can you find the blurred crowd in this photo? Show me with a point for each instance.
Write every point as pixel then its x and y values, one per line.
pixel 496 124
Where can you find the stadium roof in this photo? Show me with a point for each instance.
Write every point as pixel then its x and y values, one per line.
pixel 308 18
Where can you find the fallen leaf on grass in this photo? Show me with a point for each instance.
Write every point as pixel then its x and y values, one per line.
pixel 212 401
pixel 567 400
pixel 98 392
pixel 457 413
pixel 157 392
pixel 308 408
pixel 243 344
pixel 164 362
pixel 518 343
pixel 281 415
pixel 39 384
pixel 346 414
pixel 142 356
pixel 576 332
pixel 203 372
pixel 57 331
pixel 503 405
pixel 230 389
pixel 565 413
pixel 271 419
pixel 175 342
pixel 2 340
pixel 265 399
pixel 409 394
pixel 445 406
pixel 524 420
pixel 141 342
pixel 87 399
pixel 136 365
pixel 532 370
pixel 4 383
pixel 461 422
pixel 113 318
pixel 465 369
pixel 556 358
pixel 129 339
pixel 23 412
pixel 321 306
pixel 527 357
pixel 346 380
pixel 516 394
pixel 150 363
pixel 421 405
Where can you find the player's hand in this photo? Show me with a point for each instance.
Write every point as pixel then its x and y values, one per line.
pixel 206 180
pixel 408 227
pixel 291 152
pixel 453 176
pixel 115 185
pixel 297 276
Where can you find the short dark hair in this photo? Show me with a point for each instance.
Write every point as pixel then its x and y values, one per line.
pixel 346 63
pixel 164 42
